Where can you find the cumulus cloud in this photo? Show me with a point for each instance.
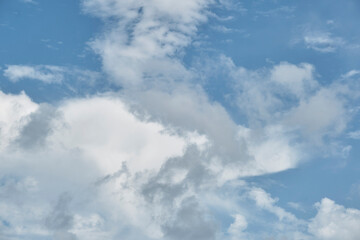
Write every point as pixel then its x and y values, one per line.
pixel 334 221
pixel 14 114
pixel 140 46
pixel 159 159
pixel 237 228
pixel 298 80
pixel 161 180
pixel 102 142
pixel 148 173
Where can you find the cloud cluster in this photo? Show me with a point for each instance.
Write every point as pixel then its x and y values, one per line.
pixel 159 159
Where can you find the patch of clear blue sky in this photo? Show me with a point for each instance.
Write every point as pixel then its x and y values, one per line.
pixel 56 33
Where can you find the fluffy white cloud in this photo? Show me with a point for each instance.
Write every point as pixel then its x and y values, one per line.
pixel 334 221
pixel 316 118
pixel 299 80
pixel 102 172
pixel 133 169
pixel 237 227
pixel 146 162
pixel 14 114
pixel 146 37
pixel 110 135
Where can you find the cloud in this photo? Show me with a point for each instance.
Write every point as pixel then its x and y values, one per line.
pixel 101 135
pixel 160 159
pixel 14 114
pixel 60 220
pixel 286 96
pixel 334 221
pixel 38 127
pixel 316 119
pixel 237 227
pixel 160 179
pixel 265 201
pixel 299 80
pixel 146 37
pixel 233 6
pixel 322 41
pixel 286 11
pixel 144 171
pixel 354 135
pixel 29 1
pixel 48 74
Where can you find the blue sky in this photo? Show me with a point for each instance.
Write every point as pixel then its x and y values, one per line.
pixel 193 119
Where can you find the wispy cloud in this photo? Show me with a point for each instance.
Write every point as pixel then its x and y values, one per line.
pixel 284 11
pixel 44 73
pixel 30 1
pixel 322 41
pixel 48 73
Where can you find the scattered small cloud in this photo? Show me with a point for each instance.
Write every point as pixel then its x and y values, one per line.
pixel 354 135
pixel 48 74
pixel 44 73
pixel 295 205
pixel 283 11
pixel 233 5
pixel 30 1
pixel 322 41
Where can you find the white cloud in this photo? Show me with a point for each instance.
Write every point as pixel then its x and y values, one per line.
pixel 289 97
pixel 237 228
pixel 299 80
pixel 48 73
pixel 296 206
pixel 286 11
pixel 14 114
pixel 140 170
pixel 233 5
pixel 145 42
pixel 334 221
pixel 322 41
pixel 351 74
pixel 97 126
pixel 354 135
pixel 139 164
pixel 125 162
pixel 316 119
pixel 29 1
pixel 265 201
pixel 143 171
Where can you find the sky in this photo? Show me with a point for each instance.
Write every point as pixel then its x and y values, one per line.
pixel 179 120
